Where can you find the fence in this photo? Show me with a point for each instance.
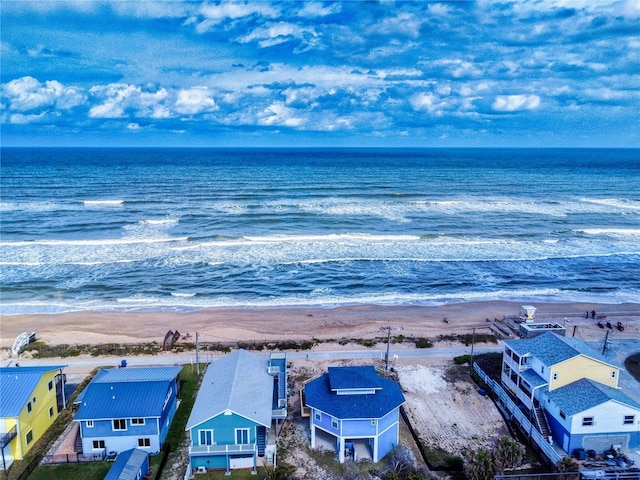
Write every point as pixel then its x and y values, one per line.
pixel 71 458
pixel 543 444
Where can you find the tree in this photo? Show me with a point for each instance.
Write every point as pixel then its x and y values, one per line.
pixel 479 465
pixel 567 464
pixel 283 471
pixel 508 454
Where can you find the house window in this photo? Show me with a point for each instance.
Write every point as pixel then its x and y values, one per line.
pixel 50 386
pixel 144 442
pixel 587 421
pixel 334 423
pixel 120 424
pixel 98 444
pixel 137 421
pixel 205 437
pixel 29 407
pixel 317 416
pixel 555 376
pixel 89 423
pixel 242 435
pixel 563 415
pixel 629 419
pixel 29 436
pixel 50 411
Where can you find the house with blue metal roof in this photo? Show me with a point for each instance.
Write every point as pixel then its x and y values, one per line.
pixel 571 392
pixel 352 405
pixel 129 465
pixel 30 400
pixel 125 408
pixel 236 415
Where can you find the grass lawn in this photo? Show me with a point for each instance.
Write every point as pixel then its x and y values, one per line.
pixel 75 471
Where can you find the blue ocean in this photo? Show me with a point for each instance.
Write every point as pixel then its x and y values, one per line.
pixel 184 229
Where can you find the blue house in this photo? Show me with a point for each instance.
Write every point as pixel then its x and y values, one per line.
pixel 129 465
pixel 241 397
pixel 352 405
pixel 125 408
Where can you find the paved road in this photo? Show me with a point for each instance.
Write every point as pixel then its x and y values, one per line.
pixel 90 363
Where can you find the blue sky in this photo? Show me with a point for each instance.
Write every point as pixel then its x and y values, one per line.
pixel 352 73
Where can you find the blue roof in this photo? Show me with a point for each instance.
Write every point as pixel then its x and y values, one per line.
pixel 128 464
pixel 551 348
pixel 126 392
pixel 17 385
pixel 348 378
pixel 584 394
pixel 319 395
pixel 237 382
pixel 533 378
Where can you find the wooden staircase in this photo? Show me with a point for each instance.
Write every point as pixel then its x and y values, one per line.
pixel 541 422
pixel 262 440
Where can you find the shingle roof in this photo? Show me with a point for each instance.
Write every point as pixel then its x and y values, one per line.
pixel 238 382
pixel 583 394
pixel 126 393
pixel 318 395
pixel 127 465
pixel 347 378
pixel 533 378
pixel 16 386
pixel 552 348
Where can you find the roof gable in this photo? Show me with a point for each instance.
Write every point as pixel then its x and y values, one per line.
pixel 551 348
pixel 320 395
pixel 239 383
pixel 17 385
pixel 584 394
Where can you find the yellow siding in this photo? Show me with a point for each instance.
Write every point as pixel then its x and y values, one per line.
pixel 38 420
pixel 12 450
pixel 580 367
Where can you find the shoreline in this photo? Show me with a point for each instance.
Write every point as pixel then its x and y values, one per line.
pixel 248 324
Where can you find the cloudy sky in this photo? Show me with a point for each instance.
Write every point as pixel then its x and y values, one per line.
pixel 293 73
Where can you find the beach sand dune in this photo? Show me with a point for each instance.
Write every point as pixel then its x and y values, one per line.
pixel 228 325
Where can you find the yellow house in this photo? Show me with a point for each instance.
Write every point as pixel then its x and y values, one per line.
pixel 29 404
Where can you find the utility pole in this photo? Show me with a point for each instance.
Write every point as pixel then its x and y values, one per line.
pixel 197 356
pixel 606 337
pixel 473 340
pixel 386 357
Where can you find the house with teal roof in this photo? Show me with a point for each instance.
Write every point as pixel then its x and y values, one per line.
pixel 571 392
pixel 30 401
pixel 125 408
pixel 354 405
pixel 237 413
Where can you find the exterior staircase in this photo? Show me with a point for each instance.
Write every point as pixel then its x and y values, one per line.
pixel 541 422
pixel 77 444
pixel 262 440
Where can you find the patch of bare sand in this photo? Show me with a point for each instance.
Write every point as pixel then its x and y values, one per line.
pixel 445 408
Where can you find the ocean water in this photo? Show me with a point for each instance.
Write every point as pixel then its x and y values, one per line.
pixel 183 229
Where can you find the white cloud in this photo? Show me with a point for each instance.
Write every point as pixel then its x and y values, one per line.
pixel 428 102
pixel 516 103
pixel 27 93
pixel 277 114
pixel 277 33
pixel 215 14
pixel 120 100
pixel 195 100
pixel 316 9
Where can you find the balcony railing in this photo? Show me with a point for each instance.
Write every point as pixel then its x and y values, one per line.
pixel 222 449
pixel 6 437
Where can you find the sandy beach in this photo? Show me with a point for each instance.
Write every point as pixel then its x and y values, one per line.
pixel 299 323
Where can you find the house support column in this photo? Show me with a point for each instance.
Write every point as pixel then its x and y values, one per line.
pixel 375 449
pixel 313 434
pixel 255 463
pixel 228 472
pixel 341 449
